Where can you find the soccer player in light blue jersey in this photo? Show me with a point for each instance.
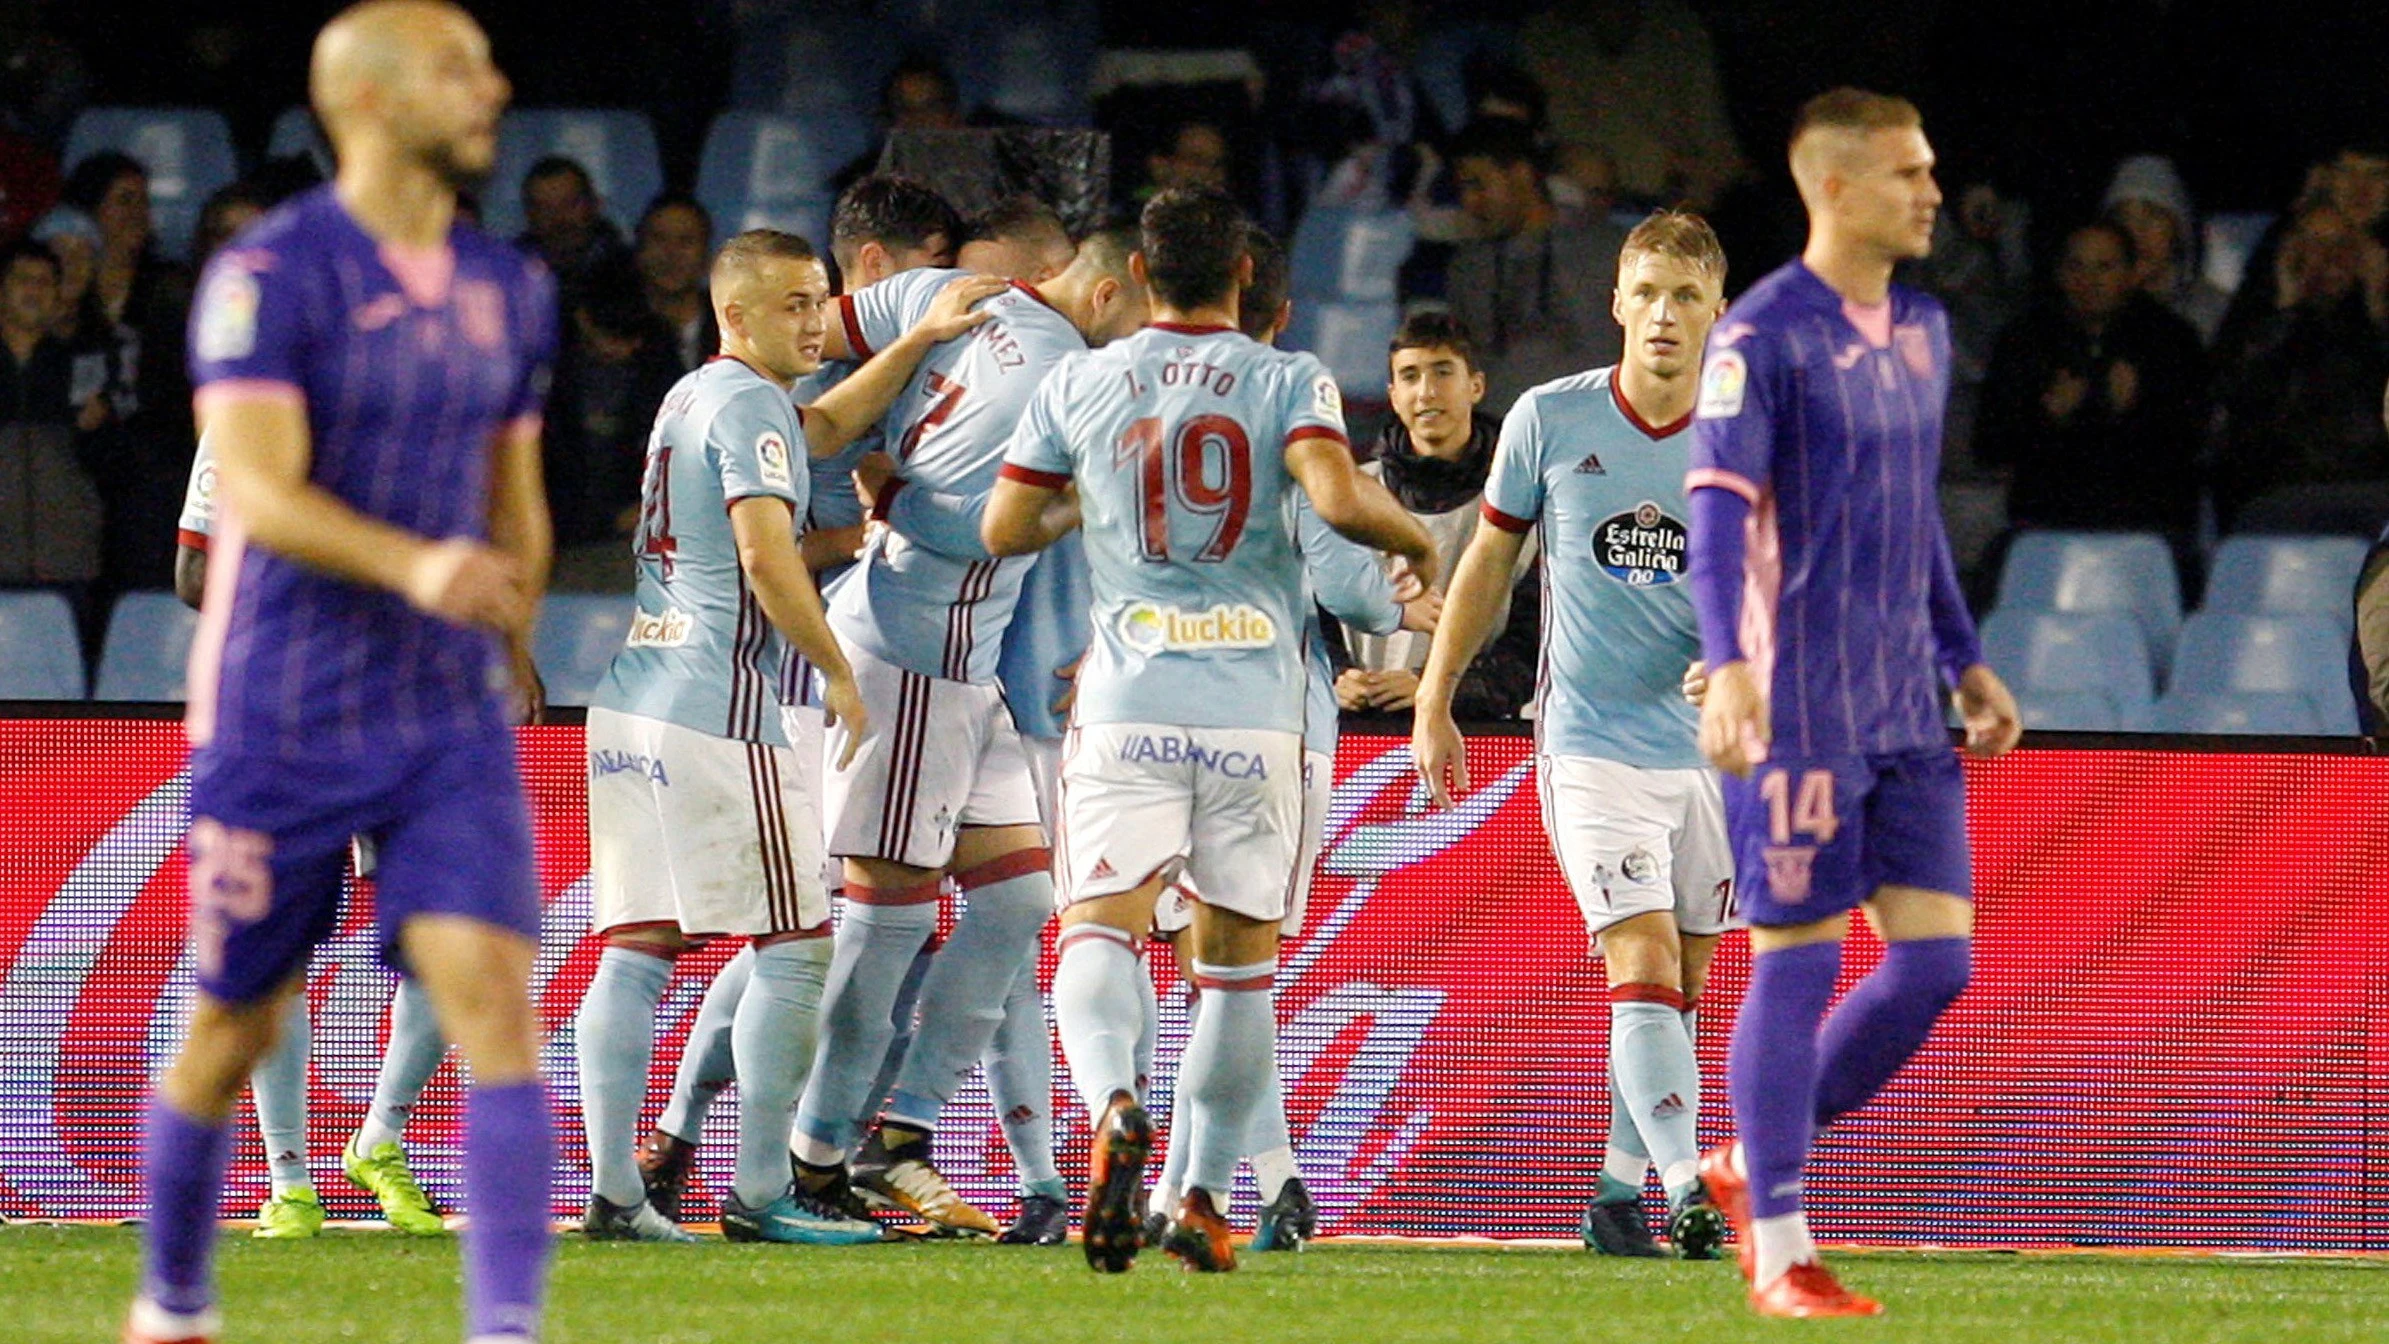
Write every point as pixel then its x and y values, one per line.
pixel 942 791
pixel 371 373
pixel 1834 634
pixel 1187 443
pixel 703 819
pixel 1596 461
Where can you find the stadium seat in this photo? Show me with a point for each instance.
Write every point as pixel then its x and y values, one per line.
pixel 2286 576
pixel 578 635
pixel 148 649
pixel 2281 655
pixel 2126 572
pixel 40 658
pixel 2240 712
pixel 1354 256
pixel 2056 655
pixel 1350 339
pixel 616 145
pixel 295 135
pixel 2070 712
pixel 759 170
pixel 187 150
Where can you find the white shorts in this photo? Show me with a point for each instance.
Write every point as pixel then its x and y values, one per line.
pixel 1174 913
pixel 711 834
pixel 1632 841
pixel 808 736
pixel 1223 806
pixel 1045 775
pixel 941 755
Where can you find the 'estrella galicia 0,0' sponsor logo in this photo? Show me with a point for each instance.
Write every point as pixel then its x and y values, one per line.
pixel 1642 549
pixel 1138 748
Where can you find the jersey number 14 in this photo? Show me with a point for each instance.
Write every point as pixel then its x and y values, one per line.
pixel 1181 466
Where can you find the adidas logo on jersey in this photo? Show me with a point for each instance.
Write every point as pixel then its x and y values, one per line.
pixel 1591 466
pixel 1670 1105
pixel 1102 868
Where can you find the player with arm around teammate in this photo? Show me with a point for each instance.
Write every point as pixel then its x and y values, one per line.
pixel 1596 460
pixel 1185 751
pixel 1831 625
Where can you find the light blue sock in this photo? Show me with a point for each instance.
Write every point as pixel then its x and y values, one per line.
pixel 1148 1037
pixel 1173 1167
pixel 962 1000
pixel 1230 1058
pixel 414 1054
pixel 707 1063
pixel 1096 1012
pixel 900 1028
pixel 875 946
pixel 1019 1067
pixel 777 1028
pixel 1624 1163
pixel 1651 1059
pixel 279 1087
pixel 613 1038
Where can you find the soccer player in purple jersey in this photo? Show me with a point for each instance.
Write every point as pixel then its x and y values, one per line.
pixel 1830 624
pixel 370 373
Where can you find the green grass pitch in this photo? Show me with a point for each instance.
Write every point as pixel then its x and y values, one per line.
pixel 66 1284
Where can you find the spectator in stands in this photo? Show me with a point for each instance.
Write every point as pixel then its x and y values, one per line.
pixel 565 226
pixel 1536 286
pixel 674 254
pixel 610 377
pixel 1434 456
pixel 2148 199
pixel 49 512
pixel 1196 155
pixel 226 213
pixel 1020 239
pixel 99 383
pixel 1636 80
pixel 2097 401
pixel 918 95
pixel 2300 386
pixel 2353 181
pixel 39 372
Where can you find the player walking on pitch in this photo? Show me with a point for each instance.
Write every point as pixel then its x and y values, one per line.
pixel 1186 442
pixel 1830 622
pixel 370 373
pixel 1597 460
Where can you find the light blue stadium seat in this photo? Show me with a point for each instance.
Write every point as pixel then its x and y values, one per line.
pixel 1350 339
pixel 2070 712
pixel 295 135
pixel 148 649
pixel 615 145
pixel 578 634
pixel 40 657
pixel 2062 654
pixel 760 170
pixel 187 150
pixel 2269 712
pixel 2280 655
pixel 2286 576
pixel 1354 256
pixel 2126 572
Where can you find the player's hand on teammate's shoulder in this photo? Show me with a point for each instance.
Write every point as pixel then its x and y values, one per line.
pixel 1993 724
pixel 842 707
pixel 1421 612
pixel 1439 752
pixel 950 313
pixel 1734 727
pixel 1696 683
pixel 468 583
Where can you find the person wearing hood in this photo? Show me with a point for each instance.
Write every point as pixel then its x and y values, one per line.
pixel 2147 198
pixel 1434 456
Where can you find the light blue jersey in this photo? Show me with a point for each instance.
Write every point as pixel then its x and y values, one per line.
pixel 834 504
pixel 701 653
pixel 1349 580
pixel 1177 439
pixel 1050 629
pixel 1618 625
pixel 941 613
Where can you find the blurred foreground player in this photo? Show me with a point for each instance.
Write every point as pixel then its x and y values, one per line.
pixel 1597 461
pixel 1830 618
pixel 371 374
pixel 1187 442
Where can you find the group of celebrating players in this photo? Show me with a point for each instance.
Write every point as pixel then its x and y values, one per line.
pixel 1073 516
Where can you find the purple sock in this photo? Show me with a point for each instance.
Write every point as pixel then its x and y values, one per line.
pixel 510 1158
pixel 1883 1019
pixel 1772 1069
pixel 182 1162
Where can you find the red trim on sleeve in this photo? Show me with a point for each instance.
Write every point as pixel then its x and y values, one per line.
pixel 854 328
pixel 1722 479
pixel 197 541
pixel 1043 480
pixel 1665 995
pixel 1318 432
pixel 1507 522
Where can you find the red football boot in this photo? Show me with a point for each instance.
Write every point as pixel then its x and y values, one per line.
pixel 1112 1226
pixel 1721 1171
pixel 1810 1290
pixel 1198 1235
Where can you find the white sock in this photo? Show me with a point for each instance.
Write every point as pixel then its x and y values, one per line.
pixel 1230 1059
pixel 408 1062
pixel 1271 1171
pixel 1097 1012
pixel 1782 1243
pixel 1627 1168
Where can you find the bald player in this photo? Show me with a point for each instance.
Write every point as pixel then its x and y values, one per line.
pixel 370 373
pixel 1835 636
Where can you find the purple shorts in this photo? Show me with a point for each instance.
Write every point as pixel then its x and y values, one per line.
pixel 269 836
pixel 1815 838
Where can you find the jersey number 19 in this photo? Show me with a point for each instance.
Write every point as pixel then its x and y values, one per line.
pixel 1224 494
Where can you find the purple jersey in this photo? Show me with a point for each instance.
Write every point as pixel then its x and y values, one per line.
pixel 408 362
pixel 1832 432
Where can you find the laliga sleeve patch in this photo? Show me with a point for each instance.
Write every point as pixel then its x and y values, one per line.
pixel 771 459
pixel 1325 399
pixel 228 316
pixel 1722 385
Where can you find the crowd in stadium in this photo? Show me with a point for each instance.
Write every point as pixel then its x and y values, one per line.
pixel 2123 362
